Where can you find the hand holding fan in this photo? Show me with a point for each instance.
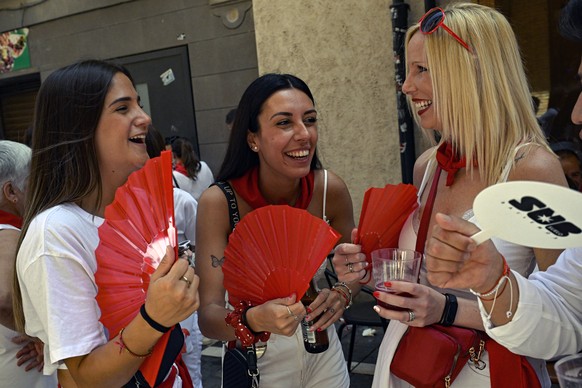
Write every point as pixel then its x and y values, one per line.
pixel 138 226
pixel 384 212
pixel 273 252
pixel 529 213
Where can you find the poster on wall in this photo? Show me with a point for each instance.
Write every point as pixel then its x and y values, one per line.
pixel 14 54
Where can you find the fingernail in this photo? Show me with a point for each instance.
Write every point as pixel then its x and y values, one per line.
pixel 388 284
pixel 376 294
pixel 308 310
pixel 307 318
pixel 319 329
pixel 446 217
pixel 376 309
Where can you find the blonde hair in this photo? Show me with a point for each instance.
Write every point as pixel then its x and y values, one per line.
pixel 481 98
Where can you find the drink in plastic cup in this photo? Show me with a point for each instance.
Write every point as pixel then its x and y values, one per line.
pixel 569 371
pixel 394 264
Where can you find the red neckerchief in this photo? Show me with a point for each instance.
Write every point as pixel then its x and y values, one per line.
pixel 449 161
pixel 247 186
pixel 181 169
pixel 10 219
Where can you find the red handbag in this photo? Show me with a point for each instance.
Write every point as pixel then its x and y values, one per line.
pixel 433 356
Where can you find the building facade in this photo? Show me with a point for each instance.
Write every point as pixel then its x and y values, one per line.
pixel 192 59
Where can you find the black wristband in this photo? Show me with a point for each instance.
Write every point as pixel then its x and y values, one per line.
pixel 450 311
pixel 151 322
pixel 244 321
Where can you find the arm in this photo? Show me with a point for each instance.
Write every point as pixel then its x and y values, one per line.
pixel 341 216
pixel 8 243
pixel 427 303
pixel 168 301
pixel 212 230
pixel 538 164
pixel 546 306
pixel 27 355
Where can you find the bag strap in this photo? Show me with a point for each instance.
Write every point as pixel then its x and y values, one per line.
pixel 249 352
pixel 231 200
pixel 175 180
pixel 425 220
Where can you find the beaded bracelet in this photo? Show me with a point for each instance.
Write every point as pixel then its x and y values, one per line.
pixel 123 345
pixel 242 332
pixel 348 289
pixel 498 284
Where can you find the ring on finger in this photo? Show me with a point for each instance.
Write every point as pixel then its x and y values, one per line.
pixel 184 278
pixel 332 310
pixel 411 316
pixel 350 267
pixel 291 314
pixel 365 274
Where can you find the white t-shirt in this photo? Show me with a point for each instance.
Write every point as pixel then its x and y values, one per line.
pixel 185 208
pixel 195 187
pixel 56 265
pixel 12 375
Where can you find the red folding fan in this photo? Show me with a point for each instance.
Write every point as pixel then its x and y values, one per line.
pixel 138 226
pixel 273 252
pixel 384 212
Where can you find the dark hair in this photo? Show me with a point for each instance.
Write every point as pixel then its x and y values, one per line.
pixel 184 150
pixel 69 104
pixel 155 143
pixel 230 116
pixel 571 20
pixel 64 165
pixel 239 158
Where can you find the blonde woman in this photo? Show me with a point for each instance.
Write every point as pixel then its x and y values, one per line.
pixel 465 80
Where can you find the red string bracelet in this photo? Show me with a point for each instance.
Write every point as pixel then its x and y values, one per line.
pixel 242 332
pixel 122 345
pixel 497 285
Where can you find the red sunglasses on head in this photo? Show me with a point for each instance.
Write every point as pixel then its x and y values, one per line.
pixel 434 19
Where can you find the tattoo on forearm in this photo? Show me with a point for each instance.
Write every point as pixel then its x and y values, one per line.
pixel 216 262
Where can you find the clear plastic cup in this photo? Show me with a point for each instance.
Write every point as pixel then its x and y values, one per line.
pixel 394 264
pixel 569 371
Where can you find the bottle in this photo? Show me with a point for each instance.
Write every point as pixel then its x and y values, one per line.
pixel 314 341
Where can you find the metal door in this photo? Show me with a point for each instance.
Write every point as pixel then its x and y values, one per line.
pixel 163 82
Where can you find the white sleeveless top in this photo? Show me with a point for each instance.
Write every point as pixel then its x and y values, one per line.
pixel 519 258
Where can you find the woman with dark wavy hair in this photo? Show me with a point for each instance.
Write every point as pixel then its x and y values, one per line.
pixel 272 159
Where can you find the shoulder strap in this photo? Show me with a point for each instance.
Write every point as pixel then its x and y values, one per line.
pixel 231 200
pixel 425 220
pixel 175 180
